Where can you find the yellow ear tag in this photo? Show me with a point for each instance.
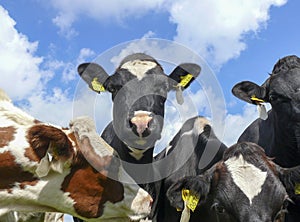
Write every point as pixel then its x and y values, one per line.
pixel 190 200
pixel 260 107
pixel 184 80
pixel 297 188
pixel 257 100
pixel 97 86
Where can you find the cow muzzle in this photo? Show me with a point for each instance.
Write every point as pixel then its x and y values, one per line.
pixel 140 122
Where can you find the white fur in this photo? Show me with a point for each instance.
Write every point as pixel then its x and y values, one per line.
pixel 246 176
pixel 197 129
pixel 85 127
pixel 138 67
pixel 136 153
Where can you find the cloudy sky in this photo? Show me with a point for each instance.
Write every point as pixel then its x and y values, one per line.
pixel 43 42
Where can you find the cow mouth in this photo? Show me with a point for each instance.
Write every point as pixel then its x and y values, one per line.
pixel 140 123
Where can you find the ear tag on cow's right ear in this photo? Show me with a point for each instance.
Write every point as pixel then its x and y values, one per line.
pixel 190 203
pixel 262 112
pixel 179 95
pixel 97 86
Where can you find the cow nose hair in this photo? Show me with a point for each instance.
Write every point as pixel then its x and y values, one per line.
pixel 141 120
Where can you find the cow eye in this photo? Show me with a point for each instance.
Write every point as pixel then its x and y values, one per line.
pixel 218 208
pixel 273 97
pixel 278 98
pixel 113 88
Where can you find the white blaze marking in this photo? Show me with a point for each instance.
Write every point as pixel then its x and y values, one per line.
pixel 138 67
pixel 246 176
pixel 136 153
pixel 197 129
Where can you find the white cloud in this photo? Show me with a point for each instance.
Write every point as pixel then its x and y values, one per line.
pixel 216 29
pixel 70 11
pixel 19 67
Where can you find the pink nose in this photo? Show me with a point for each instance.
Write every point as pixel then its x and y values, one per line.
pixel 141 120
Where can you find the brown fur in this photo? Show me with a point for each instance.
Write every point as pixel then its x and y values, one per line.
pixel 40 137
pixel 6 135
pixel 11 173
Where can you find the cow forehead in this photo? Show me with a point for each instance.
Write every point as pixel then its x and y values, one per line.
pixel 138 68
pixel 286 83
pixel 247 177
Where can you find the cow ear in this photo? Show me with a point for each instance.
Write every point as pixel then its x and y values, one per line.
pixel 193 188
pixel 50 146
pixel 181 77
pixel 184 75
pixel 94 75
pixel 253 94
pixel 290 178
pixel 249 92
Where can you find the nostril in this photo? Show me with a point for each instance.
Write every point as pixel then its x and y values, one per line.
pixel 141 121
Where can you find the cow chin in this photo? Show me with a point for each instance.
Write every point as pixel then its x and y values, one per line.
pixel 131 139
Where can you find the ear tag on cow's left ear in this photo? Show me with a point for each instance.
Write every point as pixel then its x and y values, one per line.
pixel 262 111
pixel 43 166
pixel 297 188
pixel 185 80
pixel 190 203
pixel 97 86
pixel 179 95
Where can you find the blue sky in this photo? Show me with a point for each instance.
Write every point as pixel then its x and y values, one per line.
pixel 42 43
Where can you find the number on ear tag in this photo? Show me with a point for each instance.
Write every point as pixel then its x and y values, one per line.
pixel 97 86
pixel 191 200
pixel 185 80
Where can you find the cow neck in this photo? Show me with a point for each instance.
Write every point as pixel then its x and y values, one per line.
pixel 286 142
pixel 132 155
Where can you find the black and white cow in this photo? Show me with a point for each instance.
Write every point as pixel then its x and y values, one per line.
pixel 245 186
pixel 194 149
pixel 139 89
pixel 279 134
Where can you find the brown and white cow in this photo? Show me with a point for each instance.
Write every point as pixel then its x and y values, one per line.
pixel 44 168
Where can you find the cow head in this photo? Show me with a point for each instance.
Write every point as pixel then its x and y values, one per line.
pixel 139 90
pixel 281 90
pixel 245 186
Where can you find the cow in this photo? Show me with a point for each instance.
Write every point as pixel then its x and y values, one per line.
pixel 139 89
pixel 46 168
pixel 279 134
pixel 245 186
pixel 193 150
pixel 13 216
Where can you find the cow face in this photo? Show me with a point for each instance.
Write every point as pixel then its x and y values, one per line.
pixel 139 90
pixel 281 90
pixel 244 187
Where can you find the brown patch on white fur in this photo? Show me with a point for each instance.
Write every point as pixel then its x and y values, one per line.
pixel 44 138
pixel 11 173
pixel 6 135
